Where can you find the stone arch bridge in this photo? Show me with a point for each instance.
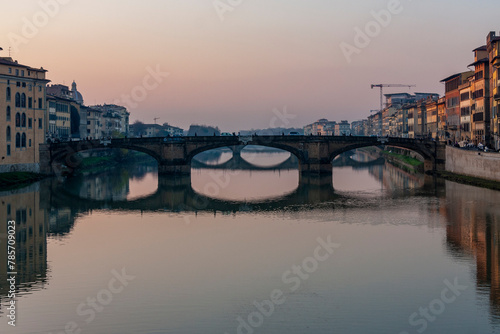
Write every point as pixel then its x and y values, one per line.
pixel 175 154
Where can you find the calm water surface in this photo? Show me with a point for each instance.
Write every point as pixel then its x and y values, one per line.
pixel 205 254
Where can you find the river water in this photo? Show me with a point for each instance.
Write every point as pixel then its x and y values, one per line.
pixel 252 247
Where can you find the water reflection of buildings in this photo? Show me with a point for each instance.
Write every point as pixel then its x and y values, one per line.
pixel 473 230
pixel 391 177
pixel 108 184
pixel 24 206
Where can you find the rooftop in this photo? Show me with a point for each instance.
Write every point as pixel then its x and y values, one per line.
pixel 484 60
pixel 10 62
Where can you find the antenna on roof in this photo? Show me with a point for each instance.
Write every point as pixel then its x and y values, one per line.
pixel 9 51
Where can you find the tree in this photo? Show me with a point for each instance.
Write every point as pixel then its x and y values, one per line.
pixel 75 122
pixel 139 128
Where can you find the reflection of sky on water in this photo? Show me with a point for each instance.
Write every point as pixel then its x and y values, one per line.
pixel 199 274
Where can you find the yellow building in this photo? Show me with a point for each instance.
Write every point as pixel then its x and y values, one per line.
pixel 441 120
pixel 22 111
pixel 25 208
pixel 64 118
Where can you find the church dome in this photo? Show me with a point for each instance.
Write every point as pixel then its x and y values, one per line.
pixel 77 96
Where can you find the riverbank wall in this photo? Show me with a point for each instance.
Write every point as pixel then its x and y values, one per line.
pixel 473 163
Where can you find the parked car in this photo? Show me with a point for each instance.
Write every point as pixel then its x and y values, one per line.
pixel 294 133
pixel 226 134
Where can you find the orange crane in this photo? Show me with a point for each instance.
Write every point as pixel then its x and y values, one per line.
pixel 381 86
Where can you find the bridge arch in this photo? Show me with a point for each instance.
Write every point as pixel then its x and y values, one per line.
pixel 423 148
pixel 290 149
pixel 64 153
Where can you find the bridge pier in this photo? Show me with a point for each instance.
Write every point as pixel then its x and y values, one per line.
pixel 174 169
pixel 315 168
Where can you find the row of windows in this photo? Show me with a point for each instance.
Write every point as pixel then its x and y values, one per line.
pixel 20 139
pixel 21 120
pixel 21 100
pixel 19 72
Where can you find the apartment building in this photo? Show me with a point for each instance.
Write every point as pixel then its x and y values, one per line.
pixel 23 115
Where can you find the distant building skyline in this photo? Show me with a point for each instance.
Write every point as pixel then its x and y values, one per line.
pixel 184 63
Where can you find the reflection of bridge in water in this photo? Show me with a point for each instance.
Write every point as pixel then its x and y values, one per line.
pixel 238 163
pixel 345 160
pixel 177 195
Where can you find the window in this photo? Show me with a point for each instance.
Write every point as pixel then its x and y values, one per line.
pixel 24 84
pixel 23 120
pixel 18 120
pixel 478 94
pixel 17 72
pixel 30 123
pixel 40 103
pixel 30 102
pixel 30 88
pixel 40 124
pixel 478 117
pixel 29 143
pixel 22 73
pixel 8 113
pixel 8 93
pixel 23 101
pixel 10 70
pixel 23 140
pixel 8 150
pixel 18 140
pixel 18 84
pixel 8 134
pixel 39 88
pixel 18 100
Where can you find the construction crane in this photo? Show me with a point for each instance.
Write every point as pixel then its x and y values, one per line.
pixel 156 118
pixel 381 86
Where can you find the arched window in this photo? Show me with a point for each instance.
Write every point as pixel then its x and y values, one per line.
pixel 23 101
pixel 23 120
pixel 8 93
pixel 8 113
pixel 18 100
pixel 23 140
pixel 8 133
pixel 18 140
pixel 18 119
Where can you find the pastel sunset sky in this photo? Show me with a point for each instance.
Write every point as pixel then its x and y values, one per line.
pixel 233 65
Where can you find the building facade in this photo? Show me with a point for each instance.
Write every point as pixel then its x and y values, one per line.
pixel 452 97
pixel 322 127
pixel 493 49
pixel 480 111
pixel 23 114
